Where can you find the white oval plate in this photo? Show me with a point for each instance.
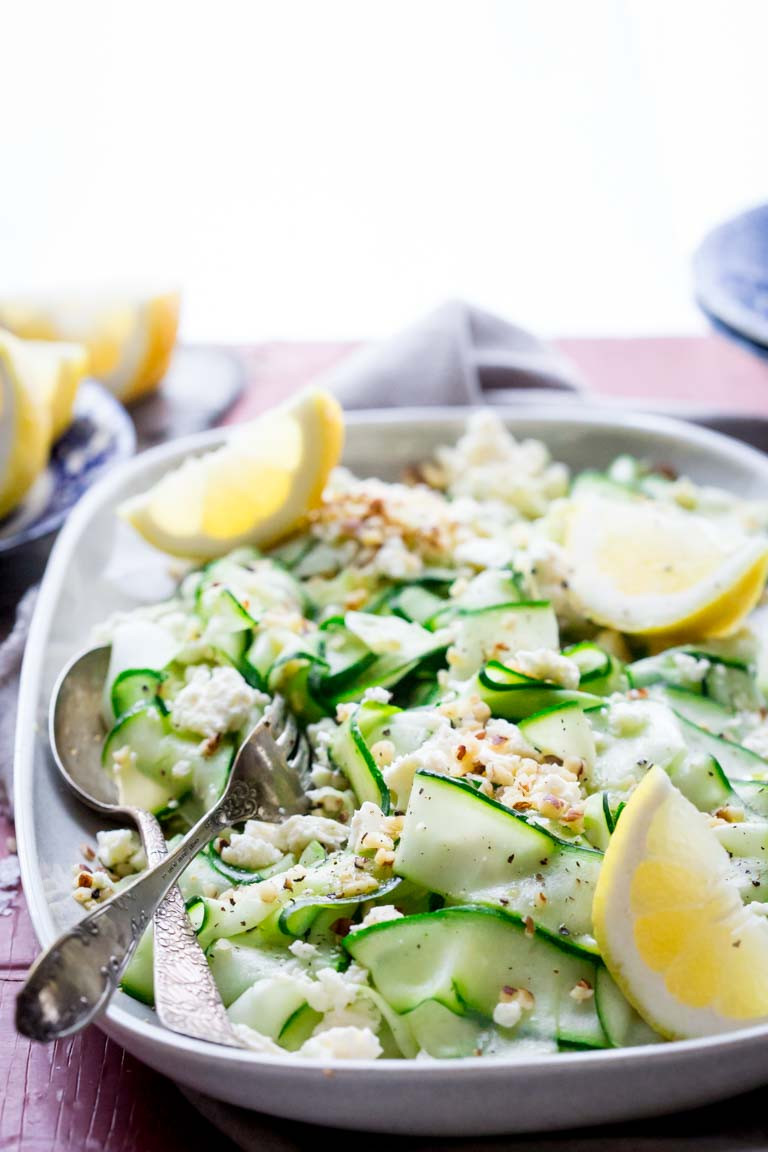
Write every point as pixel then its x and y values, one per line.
pixel 99 565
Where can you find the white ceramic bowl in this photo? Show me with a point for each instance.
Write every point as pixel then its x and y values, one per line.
pixel 98 565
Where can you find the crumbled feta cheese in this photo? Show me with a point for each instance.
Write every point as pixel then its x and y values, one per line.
pixel 479 552
pixel 120 850
pixel 459 751
pixel 380 914
pixel 686 669
pixel 547 573
pixel 263 830
pixel 741 698
pixel 512 1003
pixel 257 1042
pixel 214 701
pixel 323 777
pixel 332 991
pixel 693 668
pixel 628 718
pixel 488 464
pixel 342 1044
pixel 320 736
pixel 366 829
pixel 506 738
pixel 362 1013
pixel 466 711
pixel 123 760
pixel 356 974
pixel 396 562
pixel 376 695
pixel 439 754
pixel 253 852
pixel 261 844
pixel 546 664
pixel 507 1013
pixel 333 801
pixel 302 950
pixel 298 831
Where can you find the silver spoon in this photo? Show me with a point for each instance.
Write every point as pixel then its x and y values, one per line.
pixel 70 983
pixel 186 997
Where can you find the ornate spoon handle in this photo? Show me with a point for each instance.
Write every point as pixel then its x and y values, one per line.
pixel 70 983
pixel 186 997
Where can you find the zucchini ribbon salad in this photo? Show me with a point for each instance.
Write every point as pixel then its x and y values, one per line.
pixel 536 704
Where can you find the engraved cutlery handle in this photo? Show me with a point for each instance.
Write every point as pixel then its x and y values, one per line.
pixel 186 997
pixel 72 982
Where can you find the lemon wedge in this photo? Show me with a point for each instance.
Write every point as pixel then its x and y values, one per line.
pixel 25 423
pixel 56 369
pixel 653 570
pixel 129 339
pixel 253 490
pixel 670 923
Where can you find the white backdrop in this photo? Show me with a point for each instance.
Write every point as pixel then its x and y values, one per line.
pixel 330 168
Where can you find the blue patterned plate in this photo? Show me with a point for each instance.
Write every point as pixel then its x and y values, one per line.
pixel 100 436
pixel 731 276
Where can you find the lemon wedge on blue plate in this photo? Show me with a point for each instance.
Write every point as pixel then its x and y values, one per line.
pixel 129 336
pixel 38 385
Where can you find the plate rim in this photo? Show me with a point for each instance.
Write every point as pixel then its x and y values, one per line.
pixel 118 1022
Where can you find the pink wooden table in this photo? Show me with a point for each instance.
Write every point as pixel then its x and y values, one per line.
pixel 86 1093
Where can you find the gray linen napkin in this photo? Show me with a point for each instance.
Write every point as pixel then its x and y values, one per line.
pixel 457 354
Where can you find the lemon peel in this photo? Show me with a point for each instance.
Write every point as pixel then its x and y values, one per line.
pixel 255 489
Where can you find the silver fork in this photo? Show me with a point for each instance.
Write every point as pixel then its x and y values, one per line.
pixel 74 980
pixel 186 997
